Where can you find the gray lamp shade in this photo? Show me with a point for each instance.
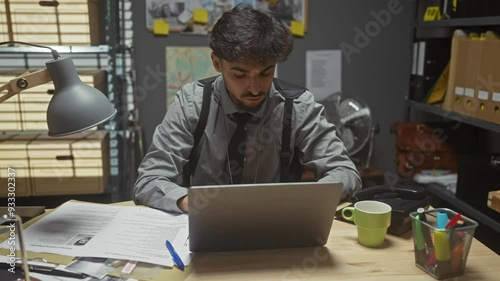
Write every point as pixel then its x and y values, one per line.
pixel 75 106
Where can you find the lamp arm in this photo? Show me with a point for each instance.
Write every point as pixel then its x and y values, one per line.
pixel 19 226
pixel 9 93
pixel 23 82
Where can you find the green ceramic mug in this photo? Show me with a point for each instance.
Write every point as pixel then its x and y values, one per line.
pixel 372 218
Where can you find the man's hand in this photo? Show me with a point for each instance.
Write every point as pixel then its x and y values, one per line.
pixel 182 203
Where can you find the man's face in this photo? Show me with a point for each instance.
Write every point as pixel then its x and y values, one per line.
pixel 246 82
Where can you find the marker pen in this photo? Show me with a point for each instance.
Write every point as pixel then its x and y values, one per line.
pixel 442 220
pixel 442 251
pixel 425 229
pixel 420 253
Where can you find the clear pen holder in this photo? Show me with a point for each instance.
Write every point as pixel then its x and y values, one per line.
pixel 441 253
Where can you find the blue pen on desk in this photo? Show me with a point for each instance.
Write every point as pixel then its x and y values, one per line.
pixel 175 256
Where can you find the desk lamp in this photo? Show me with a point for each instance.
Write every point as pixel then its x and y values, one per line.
pixel 74 107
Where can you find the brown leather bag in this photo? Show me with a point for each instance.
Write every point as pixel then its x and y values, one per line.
pixel 430 146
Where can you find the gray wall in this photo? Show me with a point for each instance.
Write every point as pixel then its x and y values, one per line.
pixel 377 72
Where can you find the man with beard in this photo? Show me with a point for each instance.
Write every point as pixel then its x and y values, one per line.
pixel 242 140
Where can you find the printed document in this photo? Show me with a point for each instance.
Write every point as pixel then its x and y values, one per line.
pixel 323 73
pixel 105 231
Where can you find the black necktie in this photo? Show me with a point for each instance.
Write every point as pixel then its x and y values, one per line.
pixel 236 148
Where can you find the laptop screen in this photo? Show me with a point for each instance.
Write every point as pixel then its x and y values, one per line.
pixel 261 216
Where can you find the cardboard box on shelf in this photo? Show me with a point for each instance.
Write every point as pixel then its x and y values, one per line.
pixel 10 117
pixel 489 79
pixel 4 27
pixel 455 89
pixel 474 81
pixel 74 164
pixel 15 178
pixel 467 54
pixel 14 160
pixel 73 23
pixel 469 103
pixel 71 165
pixel 494 115
pixel 14 147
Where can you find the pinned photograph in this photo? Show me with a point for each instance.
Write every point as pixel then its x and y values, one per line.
pixel 286 10
pixel 169 10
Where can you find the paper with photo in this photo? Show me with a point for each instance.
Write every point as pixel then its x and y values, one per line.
pixel 104 231
pixel 140 234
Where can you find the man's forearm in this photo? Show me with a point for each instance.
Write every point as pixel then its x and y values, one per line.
pixel 159 194
pixel 348 177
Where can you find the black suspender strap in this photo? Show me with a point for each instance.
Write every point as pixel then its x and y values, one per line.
pixel 289 92
pixel 200 128
pixel 285 153
pixel 205 109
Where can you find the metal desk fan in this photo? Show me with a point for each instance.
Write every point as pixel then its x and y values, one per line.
pixel 353 120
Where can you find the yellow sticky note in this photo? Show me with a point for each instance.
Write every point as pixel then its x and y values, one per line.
pixel 200 16
pixel 160 27
pixel 297 28
pixel 432 13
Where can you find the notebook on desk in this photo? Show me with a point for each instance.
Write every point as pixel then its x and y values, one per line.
pixel 261 216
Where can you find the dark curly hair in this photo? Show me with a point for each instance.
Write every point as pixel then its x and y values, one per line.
pixel 244 33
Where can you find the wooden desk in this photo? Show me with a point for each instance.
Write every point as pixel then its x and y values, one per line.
pixel 343 258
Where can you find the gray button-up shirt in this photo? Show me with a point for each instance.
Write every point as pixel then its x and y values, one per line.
pixel 159 184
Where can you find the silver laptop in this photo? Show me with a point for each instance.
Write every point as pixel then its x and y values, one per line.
pixel 261 216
